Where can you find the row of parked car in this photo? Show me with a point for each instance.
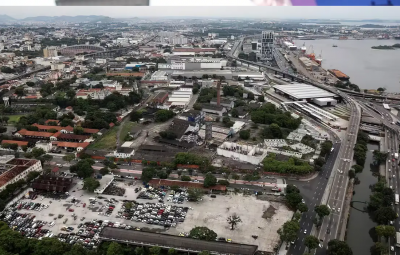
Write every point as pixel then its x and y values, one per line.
pixel 153 213
pixel 29 206
pixel 26 224
pixel 152 193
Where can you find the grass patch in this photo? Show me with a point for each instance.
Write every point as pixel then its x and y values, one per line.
pixel 107 142
pixel 127 127
pixel 13 118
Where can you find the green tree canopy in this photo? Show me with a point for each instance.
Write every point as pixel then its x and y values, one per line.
pixel 90 184
pixel 337 247
pixel 322 210
pixel 311 242
pixel 210 180
pixel 203 233
pixel 288 232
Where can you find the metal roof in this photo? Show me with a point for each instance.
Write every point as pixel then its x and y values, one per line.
pixel 177 242
pixel 303 91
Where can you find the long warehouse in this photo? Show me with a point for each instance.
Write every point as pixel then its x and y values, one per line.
pixel 301 92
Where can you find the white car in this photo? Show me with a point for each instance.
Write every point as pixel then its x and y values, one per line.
pixel 338 209
pixel 389 170
pixel 391 248
pixel 391 187
pixel 305 231
pixel 394 176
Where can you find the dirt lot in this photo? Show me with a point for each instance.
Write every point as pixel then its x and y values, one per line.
pixel 213 213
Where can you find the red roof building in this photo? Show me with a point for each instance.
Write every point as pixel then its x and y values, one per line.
pixel 20 143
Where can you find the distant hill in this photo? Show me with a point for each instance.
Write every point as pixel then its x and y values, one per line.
pixel 56 19
pixel 6 18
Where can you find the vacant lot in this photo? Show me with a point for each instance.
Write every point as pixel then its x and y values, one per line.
pixel 213 213
pixel 107 142
pixel 14 118
pixel 125 128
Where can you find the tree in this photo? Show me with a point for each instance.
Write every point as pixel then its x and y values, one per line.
pixel 78 130
pixel 204 253
pixel 302 207
pixel 288 232
pixel 148 173
pixel 385 231
pixel 104 171
pixel 379 157
pixel 69 157
pixel 293 199
pixel 384 214
pixel 235 177
pixel 210 180
pixel 90 184
pixel 136 116
pixel 233 220
pixel 203 233
pixel 185 178
pixel 46 158
pixel 155 250
pixel 83 168
pixel 290 188
pixel 380 89
pixel 227 121
pixel 172 251
pixel 337 247
pixel 380 248
pixel 326 147
pixel 115 249
pixel 311 242
pixel 163 115
pixel 223 182
pixel 322 210
pixel 37 152
pixel 195 194
pixel 139 251
pixel 19 91
pixel 352 174
pixel 235 113
pixel 244 134
pixel 276 130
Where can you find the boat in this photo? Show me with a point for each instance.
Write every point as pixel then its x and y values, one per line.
pixel 338 74
pixel 343 38
pixel 319 59
pixel 396 37
pixel 383 37
pixel 334 45
pixel 303 48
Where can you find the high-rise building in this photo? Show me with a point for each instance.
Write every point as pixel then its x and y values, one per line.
pixel 267 44
pixel 50 52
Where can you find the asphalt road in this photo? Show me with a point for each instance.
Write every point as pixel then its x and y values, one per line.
pixel 312 192
pixel 330 226
pixel 392 169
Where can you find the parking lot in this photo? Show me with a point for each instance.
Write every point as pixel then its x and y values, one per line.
pixel 79 216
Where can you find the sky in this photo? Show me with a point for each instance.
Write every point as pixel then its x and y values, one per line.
pixel 266 12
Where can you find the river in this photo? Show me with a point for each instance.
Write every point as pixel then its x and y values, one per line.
pixel 360 225
pixel 368 68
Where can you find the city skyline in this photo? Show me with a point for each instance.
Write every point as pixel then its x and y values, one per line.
pixel 350 13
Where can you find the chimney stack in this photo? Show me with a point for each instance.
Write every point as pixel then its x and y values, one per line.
pixel 219 93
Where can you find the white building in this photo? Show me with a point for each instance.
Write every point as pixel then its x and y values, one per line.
pixel 244 153
pixel 17 169
pixel 46 146
pixel 159 76
pixel 124 152
pixel 50 52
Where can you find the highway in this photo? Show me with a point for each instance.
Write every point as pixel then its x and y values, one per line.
pixel 392 173
pixel 312 192
pixel 330 226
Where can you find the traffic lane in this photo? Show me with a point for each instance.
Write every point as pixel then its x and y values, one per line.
pixel 306 221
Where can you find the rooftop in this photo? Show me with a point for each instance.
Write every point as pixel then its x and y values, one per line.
pixel 177 241
pixel 303 91
pixel 213 107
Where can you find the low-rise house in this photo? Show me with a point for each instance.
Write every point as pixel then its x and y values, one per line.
pixel 69 145
pixel 20 144
pixel 214 109
pixel 45 145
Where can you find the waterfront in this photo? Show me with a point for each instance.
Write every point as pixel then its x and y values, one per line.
pixel 368 68
pixel 360 225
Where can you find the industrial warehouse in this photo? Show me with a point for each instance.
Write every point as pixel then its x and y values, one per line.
pixel 305 92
